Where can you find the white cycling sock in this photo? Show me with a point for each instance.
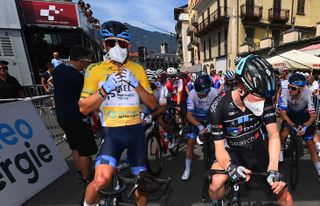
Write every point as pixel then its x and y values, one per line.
pixel 86 204
pixel 317 165
pixel 188 164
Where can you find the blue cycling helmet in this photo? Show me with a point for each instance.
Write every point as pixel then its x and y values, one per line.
pixel 115 29
pixel 202 84
pixel 257 76
pixel 298 80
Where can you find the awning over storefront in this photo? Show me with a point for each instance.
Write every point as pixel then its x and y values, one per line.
pixel 295 59
pixel 312 49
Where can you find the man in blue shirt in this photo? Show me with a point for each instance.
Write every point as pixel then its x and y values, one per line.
pixel 56 59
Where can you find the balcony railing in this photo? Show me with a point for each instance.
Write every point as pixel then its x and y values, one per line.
pixel 194 21
pixel 214 19
pixel 249 11
pixel 278 15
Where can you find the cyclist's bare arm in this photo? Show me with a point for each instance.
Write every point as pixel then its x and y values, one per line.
pixel 160 111
pixel 285 117
pixel 90 103
pixel 222 155
pixel 274 146
pixel 191 119
pixel 148 99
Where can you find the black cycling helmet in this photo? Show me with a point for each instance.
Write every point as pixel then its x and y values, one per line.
pixel 202 84
pixel 115 29
pixel 257 76
pixel 298 80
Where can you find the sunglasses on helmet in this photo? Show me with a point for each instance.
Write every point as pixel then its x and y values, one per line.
pixel 112 43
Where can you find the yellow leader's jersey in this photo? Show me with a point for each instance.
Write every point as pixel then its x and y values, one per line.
pixel 122 106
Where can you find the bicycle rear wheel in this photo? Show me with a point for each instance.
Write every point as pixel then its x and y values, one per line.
pixel 294 165
pixel 155 154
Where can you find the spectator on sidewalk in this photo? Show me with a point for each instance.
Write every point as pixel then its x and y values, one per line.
pixel 46 77
pixel 68 83
pixel 56 59
pixel 9 85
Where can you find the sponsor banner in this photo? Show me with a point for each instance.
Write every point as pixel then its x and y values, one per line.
pixel 52 13
pixel 29 159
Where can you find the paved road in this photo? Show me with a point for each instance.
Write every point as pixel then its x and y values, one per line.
pixel 66 190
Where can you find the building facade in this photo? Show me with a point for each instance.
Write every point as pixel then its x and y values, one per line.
pixel 220 30
pixel 183 54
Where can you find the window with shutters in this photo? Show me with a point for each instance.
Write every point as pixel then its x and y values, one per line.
pixel 6 49
pixel 300 7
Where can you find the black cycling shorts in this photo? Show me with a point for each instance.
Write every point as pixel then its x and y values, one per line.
pixel 255 159
pixel 79 136
pixel 116 140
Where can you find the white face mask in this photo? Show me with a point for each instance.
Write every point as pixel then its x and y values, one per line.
pixel 118 54
pixel 255 107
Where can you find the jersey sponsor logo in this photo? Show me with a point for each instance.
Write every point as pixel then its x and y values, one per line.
pixel 235 131
pixel 215 104
pixel 246 142
pixel 219 126
pixel 232 113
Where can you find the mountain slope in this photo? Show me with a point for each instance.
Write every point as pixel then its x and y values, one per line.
pixel 151 40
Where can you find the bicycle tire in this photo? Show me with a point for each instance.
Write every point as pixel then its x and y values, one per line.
pixel 155 154
pixel 294 164
pixel 206 153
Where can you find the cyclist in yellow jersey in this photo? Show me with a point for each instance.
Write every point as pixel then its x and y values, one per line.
pixel 116 87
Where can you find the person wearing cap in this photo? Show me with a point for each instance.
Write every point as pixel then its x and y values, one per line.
pixel 9 85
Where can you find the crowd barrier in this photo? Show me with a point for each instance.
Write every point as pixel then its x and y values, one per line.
pixel 44 107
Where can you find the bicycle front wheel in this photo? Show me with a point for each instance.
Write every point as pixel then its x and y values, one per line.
pixel 207 153
pixel 155 154
pixel 294 165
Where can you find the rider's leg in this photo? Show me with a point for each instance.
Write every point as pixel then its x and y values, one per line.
pixel 316 140
pixel 216 188
pixel 102 178
pixel 313 155
pixel 189 154
pixel 191 139
pixel 137 157
pixel 284 197
pixel 141 198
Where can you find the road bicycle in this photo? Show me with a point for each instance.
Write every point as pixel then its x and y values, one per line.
pixel 292 152
pixel 157 147
pixel 179 127
pixel 124 186
pixel 158 144
pixel 208 148
pixel 232 196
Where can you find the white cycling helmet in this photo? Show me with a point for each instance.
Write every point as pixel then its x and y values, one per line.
pixel 172 71
pixel 152 76
pixel 230 75
pixel 159 72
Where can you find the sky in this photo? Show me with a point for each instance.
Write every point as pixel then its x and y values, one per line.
pixel 138 13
